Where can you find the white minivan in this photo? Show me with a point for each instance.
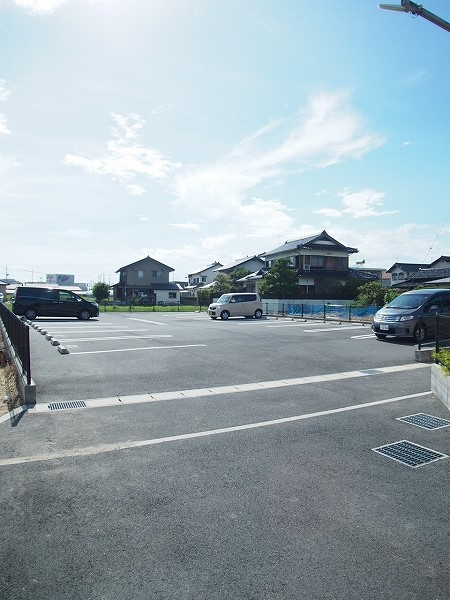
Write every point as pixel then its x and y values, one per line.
pixel 236 305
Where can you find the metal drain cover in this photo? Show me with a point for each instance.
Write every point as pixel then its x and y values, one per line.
pixel 425 421
pixel 409 454
pixel 65 405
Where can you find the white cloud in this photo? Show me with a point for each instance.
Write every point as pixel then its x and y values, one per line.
pixel 358 204
pixel 326 132
pixel 363 203
pixel 40 6
pixel 73 233
pixel 3 126
pixel 136 190
pixel 419 77
pixel 329 212
pixel 4 94
pixel 4 91
pixel 192 226
pixel 125 158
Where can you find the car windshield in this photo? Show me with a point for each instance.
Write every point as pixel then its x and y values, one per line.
pixel 407 301
pixel 224 299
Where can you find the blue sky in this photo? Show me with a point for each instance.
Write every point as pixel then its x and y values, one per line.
pixel 202 130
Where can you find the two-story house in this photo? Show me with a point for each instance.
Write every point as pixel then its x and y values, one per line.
pixel 201 278
pixel 401 271
pixel 146 277
pixel 438 269
pixel 321 263
pixel 249 263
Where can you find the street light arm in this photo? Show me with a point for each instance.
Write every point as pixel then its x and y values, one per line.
pixel 418 10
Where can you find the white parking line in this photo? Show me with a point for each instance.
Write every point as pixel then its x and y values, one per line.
pixel 118 337
pixel 146 321
pixel 292 324
pixel 105 448
pixel 139 349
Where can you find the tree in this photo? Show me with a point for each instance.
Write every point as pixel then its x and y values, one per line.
pixel 223 284
pixel 238 274
pixel 204 297
pixel 281 281
pixel 100 291
pixel 371 294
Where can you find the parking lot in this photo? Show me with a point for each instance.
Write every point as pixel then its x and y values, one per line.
pixel 172 456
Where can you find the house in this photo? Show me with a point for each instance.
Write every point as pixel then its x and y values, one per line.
pixel 322 264
pixel 401 271
pixel 201 278
pixel 249 263
pixel 438 269
pixel 146 278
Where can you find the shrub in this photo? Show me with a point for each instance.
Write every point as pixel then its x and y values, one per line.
pixel 443 358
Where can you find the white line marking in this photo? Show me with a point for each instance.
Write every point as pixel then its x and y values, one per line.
pixel 363 337
pixel 98 329
pixel 334 328
pixel 134 349
pixel 102 449
pixel 146 321
pixel 119 337
pixel 232 389
pixel 302 324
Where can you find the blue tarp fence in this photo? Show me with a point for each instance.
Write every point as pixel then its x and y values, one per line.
pixel 332 311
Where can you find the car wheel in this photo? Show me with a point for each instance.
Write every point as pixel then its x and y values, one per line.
pixel 258 313
pixel 381 336
pixel 30 314
pixel 213 318
pixel 84 315
pixel 420 333
pixel 224 315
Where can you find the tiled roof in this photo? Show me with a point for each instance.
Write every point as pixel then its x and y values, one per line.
pixel 311 241
pixel 422 276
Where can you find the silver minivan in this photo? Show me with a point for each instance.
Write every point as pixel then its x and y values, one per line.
pixel 236 305
pixel 412 314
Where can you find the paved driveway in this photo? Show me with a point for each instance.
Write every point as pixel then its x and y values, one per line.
pixel 224 460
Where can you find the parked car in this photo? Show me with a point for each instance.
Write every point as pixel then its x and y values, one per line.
pixel 1 297
pixel 236 305
pixel 412 314
pixel 32 302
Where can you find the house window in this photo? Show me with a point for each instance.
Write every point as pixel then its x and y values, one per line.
pixel 138 274
pixel 401 275
pixel 156 274
pixel 317 261
pixel 173 295
pixel 204 278
pixel 394 276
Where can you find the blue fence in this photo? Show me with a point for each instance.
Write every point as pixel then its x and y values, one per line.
pixel 332 311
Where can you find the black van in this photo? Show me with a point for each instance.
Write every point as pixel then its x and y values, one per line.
pixel 32 302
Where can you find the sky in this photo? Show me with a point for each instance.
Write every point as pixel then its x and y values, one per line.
pixel 196 131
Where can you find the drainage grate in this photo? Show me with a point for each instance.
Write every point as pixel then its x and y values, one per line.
pixel 410 454
pixel 64 405
pixel 425 421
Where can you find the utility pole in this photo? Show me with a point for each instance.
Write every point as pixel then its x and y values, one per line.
pixel 416 9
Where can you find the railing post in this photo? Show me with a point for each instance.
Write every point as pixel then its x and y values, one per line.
pixel 324 312
pixel 436 329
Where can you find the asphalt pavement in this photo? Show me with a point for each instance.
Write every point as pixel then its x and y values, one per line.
pixel 171 456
